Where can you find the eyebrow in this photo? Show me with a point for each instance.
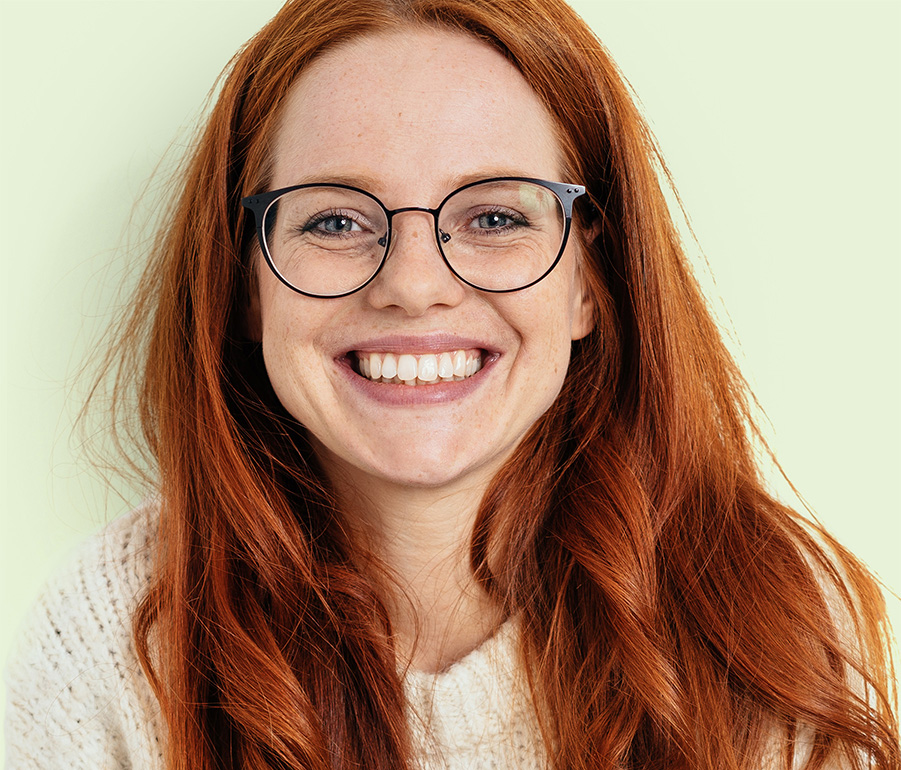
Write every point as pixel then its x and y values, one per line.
pixel 354 180
pixel 373 185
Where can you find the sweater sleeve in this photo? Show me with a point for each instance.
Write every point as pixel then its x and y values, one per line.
pixel 76 694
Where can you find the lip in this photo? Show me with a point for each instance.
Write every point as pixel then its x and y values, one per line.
pixel 419 395
pixel 419 344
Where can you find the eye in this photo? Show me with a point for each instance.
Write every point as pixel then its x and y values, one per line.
pixel 333 223
pixel 497 219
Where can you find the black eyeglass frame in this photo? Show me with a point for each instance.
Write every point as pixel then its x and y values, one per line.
pixel 260 204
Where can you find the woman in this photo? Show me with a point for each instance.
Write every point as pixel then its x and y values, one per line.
pixel 454 469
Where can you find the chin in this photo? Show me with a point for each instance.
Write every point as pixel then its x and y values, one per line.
pixel 418 466
pixel 423 473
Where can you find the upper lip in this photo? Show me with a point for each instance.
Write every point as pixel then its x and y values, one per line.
pixel 418 344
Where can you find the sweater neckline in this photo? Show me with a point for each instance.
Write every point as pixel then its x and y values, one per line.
pixel 497 652
pixel 478 711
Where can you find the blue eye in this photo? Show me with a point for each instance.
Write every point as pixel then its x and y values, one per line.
pixel 497 220
pixel 336 224
pixel 494 220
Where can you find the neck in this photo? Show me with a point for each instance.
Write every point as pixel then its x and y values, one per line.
pixel 439 612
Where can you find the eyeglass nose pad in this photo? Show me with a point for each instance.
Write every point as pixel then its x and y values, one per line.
pixel 444 236
pixel 383 240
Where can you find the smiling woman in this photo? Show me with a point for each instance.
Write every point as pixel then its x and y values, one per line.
pixel 387 437
pixel 452 467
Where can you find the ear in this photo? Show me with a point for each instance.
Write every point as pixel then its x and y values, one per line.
pixel 583 307
pixel 583 302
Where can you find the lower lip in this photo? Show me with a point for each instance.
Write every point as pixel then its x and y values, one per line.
pixel 415 395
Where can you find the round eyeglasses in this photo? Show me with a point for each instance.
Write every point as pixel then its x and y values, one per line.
pixel 496 235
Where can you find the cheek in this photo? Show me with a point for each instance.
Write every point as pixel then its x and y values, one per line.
pixel 283 367
pixel 557 316
pixel 288 331
pixel 287 320
pixel 550 324
pixel 543 324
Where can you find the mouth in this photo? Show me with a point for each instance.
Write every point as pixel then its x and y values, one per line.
pixel 425 369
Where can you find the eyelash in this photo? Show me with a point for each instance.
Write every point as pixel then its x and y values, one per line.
pixel 516 219
pixel 324 216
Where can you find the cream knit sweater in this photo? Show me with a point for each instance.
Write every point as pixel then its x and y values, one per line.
pixel 77 697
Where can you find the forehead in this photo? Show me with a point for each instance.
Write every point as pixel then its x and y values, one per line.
pixel 420 108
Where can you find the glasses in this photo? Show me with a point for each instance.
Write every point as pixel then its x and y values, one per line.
pixel 496 235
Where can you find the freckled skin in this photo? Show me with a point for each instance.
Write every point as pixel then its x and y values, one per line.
pixel 437 107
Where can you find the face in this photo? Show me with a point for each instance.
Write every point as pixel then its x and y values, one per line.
pixel 410 117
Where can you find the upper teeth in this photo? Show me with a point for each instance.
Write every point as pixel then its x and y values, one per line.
pixel 419 370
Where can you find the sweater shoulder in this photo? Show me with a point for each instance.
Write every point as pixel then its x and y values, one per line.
pixel 76 693
pixel 95 593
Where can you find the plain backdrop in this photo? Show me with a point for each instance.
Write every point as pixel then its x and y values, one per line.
pixel 780 122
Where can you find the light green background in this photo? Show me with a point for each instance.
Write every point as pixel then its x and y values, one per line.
pixel 780 122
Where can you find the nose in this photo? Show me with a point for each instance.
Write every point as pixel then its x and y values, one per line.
pixel 414 277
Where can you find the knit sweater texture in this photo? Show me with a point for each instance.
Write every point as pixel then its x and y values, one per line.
pixel 78 698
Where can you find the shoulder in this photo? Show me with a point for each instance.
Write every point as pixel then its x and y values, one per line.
pixel 76 693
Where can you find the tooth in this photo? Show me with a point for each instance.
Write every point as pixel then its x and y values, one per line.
pixel 406 367
pixel 389 366
pixel 428 367
pixel 445 366
pixel 459 363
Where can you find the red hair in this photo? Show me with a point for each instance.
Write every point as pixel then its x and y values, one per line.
pixel 673 613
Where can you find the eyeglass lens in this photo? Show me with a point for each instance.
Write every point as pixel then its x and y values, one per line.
pixel 498 235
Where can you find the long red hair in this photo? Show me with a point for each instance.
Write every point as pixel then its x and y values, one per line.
pixel 673 614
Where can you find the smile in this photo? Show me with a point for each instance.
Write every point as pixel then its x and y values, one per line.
pixel 426 369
